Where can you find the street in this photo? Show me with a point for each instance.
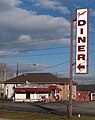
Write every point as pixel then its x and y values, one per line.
pixel 84 108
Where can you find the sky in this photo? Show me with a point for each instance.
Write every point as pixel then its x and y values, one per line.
pixel 36 35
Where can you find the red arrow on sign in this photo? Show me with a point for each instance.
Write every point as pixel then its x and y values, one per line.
pixel 80 66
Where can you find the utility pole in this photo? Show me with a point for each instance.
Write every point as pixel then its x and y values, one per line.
pixel 71 66
pixel 17 75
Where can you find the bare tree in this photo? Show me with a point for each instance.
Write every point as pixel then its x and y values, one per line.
pixel 5 72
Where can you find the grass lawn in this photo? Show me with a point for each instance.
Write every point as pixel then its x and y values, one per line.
pixel 14 115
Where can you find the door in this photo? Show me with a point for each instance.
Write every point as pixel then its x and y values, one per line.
pixel 27 95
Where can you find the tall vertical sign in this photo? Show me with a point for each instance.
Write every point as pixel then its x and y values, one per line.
pixel 82 42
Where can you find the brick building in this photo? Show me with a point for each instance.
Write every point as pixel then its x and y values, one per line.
pixel 39 79
pixel 85 92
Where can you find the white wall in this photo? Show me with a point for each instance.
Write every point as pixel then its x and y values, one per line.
pixel 36 96
pixel 20 96
pixel 9 90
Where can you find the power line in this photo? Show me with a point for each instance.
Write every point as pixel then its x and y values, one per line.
pixel 34 49
pixel 47 50
pixel 55 53
pixel 46 54
pixel 56 65
pixel 34 41
pixel 42 49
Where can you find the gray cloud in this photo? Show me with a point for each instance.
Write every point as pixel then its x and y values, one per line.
pixel 51 4
pixel 18 25
pixel 8 4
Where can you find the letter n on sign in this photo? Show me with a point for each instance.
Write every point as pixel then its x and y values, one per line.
pixel 82 42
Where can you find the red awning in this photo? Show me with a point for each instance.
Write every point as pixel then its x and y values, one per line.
pixel 31 90
pixel 52 87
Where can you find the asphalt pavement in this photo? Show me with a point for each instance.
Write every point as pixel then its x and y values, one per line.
pixel 85 108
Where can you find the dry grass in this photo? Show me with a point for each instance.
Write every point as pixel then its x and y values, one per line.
pixel 27 116
pixel 14 115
